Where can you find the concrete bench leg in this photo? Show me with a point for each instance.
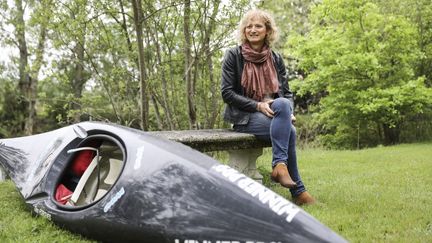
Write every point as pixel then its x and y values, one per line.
pixel 2 174
pixel 244 160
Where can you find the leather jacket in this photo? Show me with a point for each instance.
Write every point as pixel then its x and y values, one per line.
pixel 238 106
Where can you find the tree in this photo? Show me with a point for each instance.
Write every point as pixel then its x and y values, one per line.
pixel 208 31
pixel 419 12
pixel 364 62
pixel 138 20
pixel 31 53
pixel 190 85
pixel 101 60
pixel 291 16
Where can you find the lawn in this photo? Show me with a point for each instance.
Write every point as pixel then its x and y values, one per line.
pixel 17 224
pixel 374 195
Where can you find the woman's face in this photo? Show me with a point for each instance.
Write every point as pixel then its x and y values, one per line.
pixel 256 31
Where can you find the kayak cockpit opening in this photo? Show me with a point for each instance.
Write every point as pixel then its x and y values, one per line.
pixel 94 167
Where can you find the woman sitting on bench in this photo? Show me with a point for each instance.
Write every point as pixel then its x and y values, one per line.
pixel 255 89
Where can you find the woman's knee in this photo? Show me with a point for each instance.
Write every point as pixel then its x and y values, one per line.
pixel 281 105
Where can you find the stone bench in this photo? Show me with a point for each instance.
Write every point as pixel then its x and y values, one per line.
pixel 2 174
pixel 243 149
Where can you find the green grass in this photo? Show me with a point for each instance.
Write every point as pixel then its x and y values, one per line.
pixel 374 195
pixel 18 225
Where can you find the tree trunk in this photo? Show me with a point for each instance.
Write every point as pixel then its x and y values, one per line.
pixel 157 113
pixel 391 134
pixel 28 76
pixel 129 88
pixel 188 66
pixel 208 56
pixel 24 76
pixel 78 79
pixel 165 94
pixel 137 12
pixel 31 121
pixel 174 98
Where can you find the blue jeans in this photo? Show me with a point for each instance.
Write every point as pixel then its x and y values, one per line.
pixel 280 131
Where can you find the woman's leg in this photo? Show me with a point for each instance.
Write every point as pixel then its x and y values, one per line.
pixel 292 165
pixel 281 133
pixel 283 137
pixel 280 130
pixel 258 125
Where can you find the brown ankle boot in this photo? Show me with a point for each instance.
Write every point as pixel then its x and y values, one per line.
pixel 280 174
pixel 304 199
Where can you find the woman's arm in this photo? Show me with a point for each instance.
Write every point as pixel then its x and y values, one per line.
pixel 230 85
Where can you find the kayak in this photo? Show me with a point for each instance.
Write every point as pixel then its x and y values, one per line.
pixel 113 183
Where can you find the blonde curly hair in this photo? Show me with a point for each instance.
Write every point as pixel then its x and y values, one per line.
pixel 268 20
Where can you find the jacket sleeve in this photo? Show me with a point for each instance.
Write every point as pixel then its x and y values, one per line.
pixel 231 87
pixel 283 78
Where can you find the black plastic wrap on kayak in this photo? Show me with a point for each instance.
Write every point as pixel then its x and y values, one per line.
pixel 163 191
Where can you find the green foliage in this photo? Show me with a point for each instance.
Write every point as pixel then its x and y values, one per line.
pixel 90 65
pixel 364 61
pixel 11 121
pixel 367 65
pixel 419 12
pixel 307 129
pixel 291 16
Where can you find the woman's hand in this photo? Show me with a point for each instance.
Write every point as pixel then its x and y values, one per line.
pixel 264 107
